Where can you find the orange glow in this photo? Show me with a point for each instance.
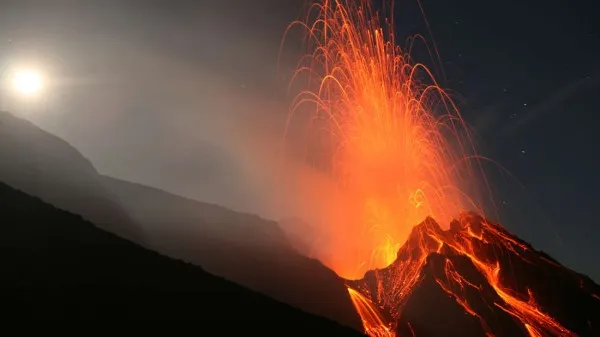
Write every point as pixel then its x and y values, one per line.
pixel 397 281
pixel 398 151
pixel 396 147
pixel 373 323
pixel 524 310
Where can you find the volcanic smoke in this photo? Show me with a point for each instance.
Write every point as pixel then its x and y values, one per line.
pixel 397 147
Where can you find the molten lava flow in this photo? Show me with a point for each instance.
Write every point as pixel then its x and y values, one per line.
pixel 485 245
pixel 398 150
pixel 373 323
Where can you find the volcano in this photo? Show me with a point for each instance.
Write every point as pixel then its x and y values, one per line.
pixel 475 279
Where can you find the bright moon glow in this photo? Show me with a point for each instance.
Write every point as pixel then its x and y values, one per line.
pixel 27 82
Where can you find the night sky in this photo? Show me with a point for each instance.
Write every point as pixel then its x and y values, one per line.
pixel 168 81
pixel 529 75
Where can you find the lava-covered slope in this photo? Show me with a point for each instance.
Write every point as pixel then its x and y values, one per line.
pixel 476 279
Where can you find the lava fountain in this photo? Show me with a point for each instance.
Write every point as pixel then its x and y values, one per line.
pixel 397 148
pixel 394 141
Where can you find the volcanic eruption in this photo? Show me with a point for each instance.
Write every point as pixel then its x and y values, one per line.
pixel 395 144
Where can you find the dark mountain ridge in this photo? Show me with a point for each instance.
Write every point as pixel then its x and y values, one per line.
pixel 46 166
pixel 56 265
pixel 243 248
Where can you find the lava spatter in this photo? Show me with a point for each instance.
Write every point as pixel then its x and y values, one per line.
pixel 387 135
pixel 395 143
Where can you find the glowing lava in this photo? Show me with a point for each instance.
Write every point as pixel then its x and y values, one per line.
pixel 395 143
pixel 485 245
pixel 398 149
pixel 372 321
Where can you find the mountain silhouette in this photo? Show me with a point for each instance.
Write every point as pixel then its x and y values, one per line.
pixel 56 265
pixel 240 247
pixel 477 279
pixel 41 164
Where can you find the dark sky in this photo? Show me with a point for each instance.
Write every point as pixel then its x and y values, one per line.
pixel 529 75
pixel 164 92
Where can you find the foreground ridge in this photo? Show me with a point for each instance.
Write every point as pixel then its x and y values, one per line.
pixel 58 266
pixel 474 279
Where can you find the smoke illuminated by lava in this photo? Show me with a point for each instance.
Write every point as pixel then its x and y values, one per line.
pixel 399 151
pixel 393 140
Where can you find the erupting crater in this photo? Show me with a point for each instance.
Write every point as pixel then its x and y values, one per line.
pixel 475 279
pixel 394 144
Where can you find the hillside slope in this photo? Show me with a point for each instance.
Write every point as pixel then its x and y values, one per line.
pixel 241 247
pixel 57 265
pixel 41 164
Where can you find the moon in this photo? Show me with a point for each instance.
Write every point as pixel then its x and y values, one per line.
pixel 27 82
